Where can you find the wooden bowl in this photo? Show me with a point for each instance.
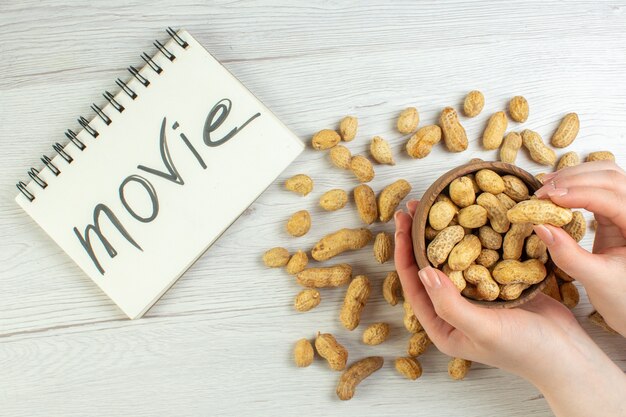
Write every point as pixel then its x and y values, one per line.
pixel 420 220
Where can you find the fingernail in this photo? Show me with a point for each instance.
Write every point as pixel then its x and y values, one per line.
pixel 542 192
pixel 557 192
pixel 429 277
pixel 544 234
pixel 549 176
pixel 397 214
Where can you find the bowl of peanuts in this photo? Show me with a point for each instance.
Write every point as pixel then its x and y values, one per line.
pixel 475 223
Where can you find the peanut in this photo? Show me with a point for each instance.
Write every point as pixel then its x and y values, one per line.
pixel 536 249
pixel 276 257
pixel 443 197
pixel 472 217
pixel 515 188
pixel 356 296
pixel 473 103
pixel 562 275
pixel 430 233
pixel 488 258
pixel 539 152
pixel 510 146
pixel 411 323
pixel 325 139
pixel 439 249
pixel 464 253
pixel 541 177
pixel 299 223
pixel 513 291
pixel 539 212
pixel 569 294
pixel 409 368
pixel 301 184
pixel 334 200
pixel 577 227
pixel 348 127
pixel 422 142
pixel 566 132
pixel 440 215
pixel 489 238
pixel 470 291
pixel 480 276
pixel 455 276
pixel 475 186
pixel 418 343
pixel 390 197
pixel 506 201
pixel 297 263
pixel 511 271
pixel 307 300
pixel 381 151
pixel 383 247
pixel 518 109
pixel 489 181
pixel 340 156
pixel 392 289
pixel 342 240
pixel 303 353
pixel 494 132
pixel 458 368
pixel 376 334
pixel 362 168
pixel 454 135
pixel 462 192
pixel 600 156
pixel 356 373
pixel 513 244
pixel 569 159
pixel 552 288
pixel 366 205
pixel 597 319
pixel 408 120
pixel 496 212
pixel 328 348
pixel 330 276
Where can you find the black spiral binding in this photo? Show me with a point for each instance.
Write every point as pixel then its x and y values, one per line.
pixel 33 173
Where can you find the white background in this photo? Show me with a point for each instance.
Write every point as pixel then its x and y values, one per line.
pixel 219 342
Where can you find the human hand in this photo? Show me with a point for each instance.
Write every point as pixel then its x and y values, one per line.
pixel 540 341
pixel 599 187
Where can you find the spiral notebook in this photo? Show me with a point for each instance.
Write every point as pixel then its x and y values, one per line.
pixel 147 185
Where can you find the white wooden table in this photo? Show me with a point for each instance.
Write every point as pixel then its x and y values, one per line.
pixel 219 342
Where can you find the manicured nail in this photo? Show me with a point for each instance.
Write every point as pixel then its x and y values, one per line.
pixel 429 277
pixel 544 234
pixel 543 191
pixel 397 214
pixel 557 192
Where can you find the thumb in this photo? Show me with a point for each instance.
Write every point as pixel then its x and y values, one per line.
pixel 450 305
pixel 570 257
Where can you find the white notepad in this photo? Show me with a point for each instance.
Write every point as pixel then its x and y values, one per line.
pixel 171 171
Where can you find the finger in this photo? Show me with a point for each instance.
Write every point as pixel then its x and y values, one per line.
pixel 585 168
pixel 606 203
pixel 411 206
pixel 606 179
pixel 587 268
pixel 450 305
pixel 607 236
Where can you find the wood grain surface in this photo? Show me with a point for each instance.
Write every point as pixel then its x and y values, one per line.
pixel 219 342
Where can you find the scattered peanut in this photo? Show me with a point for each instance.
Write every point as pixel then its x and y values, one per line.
pixel 303 353
pixel 348 127
pixel 454 135
pixel 600 156
pixel 328 348
pixel 597 319
pixel 539 212
pixel 307 300
pixel 458 368
pixel 376 333
pixel 330 276
pixel 299 223
pixel 390 197
pixel 539 152
pixel 409 367
pixel 418 343
pixel 340 241
pixel 340 156
pixel 297 263
pixel 325 139
pixel 362 168
pixel 392 289
pixel 356 373
pixel 494 132
pixel 473 103
pixel 569 294
pixel 381 151
pixel 510 146
pixel 411 323
pixel 518 109
pixel 366 204
pixel 301 184
pixel 276 257
pixel 566 132
pixel 577 227
pixel 408 120
pixel 569 159
pixel 334 200
pixel 356 296
pixel 383 247
pixel 421 143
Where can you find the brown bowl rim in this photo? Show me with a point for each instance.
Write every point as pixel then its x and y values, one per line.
pixel 421 216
